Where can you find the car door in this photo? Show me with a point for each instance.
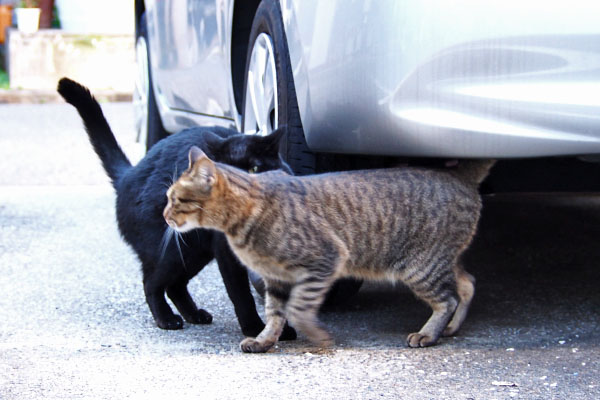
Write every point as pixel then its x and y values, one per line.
pixel 188 54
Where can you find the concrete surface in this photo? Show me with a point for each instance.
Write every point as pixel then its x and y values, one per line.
pixel 74 323
pixel 40 96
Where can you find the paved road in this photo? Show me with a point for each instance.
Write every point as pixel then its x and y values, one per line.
pixel 74 323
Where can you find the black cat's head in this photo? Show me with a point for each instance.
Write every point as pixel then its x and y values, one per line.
pixel 251 153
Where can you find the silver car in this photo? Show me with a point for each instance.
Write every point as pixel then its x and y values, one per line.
pixel 411 78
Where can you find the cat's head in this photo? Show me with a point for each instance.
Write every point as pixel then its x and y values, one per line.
pixel 199 197
pixel 251 153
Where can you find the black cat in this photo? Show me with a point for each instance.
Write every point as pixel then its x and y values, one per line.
pixel 167 264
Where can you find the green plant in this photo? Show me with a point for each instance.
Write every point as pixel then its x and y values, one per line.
pixel 28 4
pixel 3 79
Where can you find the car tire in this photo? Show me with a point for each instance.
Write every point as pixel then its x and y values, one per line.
pixel 268 25
pixel 149 126
pixel 293 147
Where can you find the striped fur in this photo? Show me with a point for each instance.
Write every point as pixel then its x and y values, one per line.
pixel 405 225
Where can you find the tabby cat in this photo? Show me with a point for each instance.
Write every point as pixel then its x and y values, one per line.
pixel 170 261
pixel 302 233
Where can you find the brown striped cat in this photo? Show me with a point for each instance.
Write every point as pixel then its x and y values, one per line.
pixel 300 234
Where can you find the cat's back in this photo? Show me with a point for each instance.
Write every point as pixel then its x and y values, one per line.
pixel 372 202
pixel 379 214
pixel 364 186
pixel 168 158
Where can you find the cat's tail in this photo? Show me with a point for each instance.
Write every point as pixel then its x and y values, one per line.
pixel 474 171
pixel 103 140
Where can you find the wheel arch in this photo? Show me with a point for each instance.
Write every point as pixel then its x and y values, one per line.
pixel 140 9
pixel 243 15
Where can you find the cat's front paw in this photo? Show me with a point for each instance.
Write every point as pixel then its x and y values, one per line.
pixel 200 317
pixel 319 337
pixel 250 345
pixel 417 339
pixel 171 323
pixel 325 342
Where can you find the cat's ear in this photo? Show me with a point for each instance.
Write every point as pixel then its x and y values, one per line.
pixel 213 141
pixel 194 155
pixel 270 143
pixel 203 169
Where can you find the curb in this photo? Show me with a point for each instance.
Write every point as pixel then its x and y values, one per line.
pixel 22 96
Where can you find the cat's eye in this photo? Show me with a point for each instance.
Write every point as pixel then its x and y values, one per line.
pixel 253 170
pixel 186 201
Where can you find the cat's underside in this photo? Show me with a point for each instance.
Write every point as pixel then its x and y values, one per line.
pixel 406 225
pixel 170 260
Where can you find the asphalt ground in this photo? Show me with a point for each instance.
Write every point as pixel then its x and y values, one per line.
pixel 74 322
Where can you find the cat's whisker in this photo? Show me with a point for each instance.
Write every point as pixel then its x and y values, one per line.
pixel 164 243
pixel 177 237
pixel 181 238
pixel 174 177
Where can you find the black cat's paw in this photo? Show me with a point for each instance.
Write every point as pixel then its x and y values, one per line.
pixel 253 330
pixel 288 333
pixel 171 323
pixel 200 317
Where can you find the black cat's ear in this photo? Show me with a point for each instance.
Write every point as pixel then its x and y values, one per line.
pixel 213 141
pixel 270 143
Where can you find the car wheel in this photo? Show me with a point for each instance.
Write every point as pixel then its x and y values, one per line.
pixel 148 124
pixel 270 95
pixel 270 101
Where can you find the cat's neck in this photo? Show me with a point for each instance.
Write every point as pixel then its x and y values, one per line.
pixel 239 202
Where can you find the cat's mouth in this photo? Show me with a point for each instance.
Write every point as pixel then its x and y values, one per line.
pixel 169 219
pixel 183 227
pixel 172 223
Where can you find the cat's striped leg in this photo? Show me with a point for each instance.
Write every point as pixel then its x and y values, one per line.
pixel 465 283
pixel 306 298
pixel 277 294
pixel 437 287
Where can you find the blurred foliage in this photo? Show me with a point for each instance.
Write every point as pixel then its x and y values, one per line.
pixel 28 3
pixel 3 79
pixel 55 19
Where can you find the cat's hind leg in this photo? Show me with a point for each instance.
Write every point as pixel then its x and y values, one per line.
pixel 179 294
pixel 437 287
pixel 465 284
pixel 277 295
pixel 154 289
pixel 179 276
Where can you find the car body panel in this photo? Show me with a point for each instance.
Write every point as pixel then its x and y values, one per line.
pixel 401 77
pixel 190 62
pixel 435 78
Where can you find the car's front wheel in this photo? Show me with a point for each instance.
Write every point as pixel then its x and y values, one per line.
pixel 270 95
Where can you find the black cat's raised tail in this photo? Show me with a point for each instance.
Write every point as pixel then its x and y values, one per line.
pixel 103 140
